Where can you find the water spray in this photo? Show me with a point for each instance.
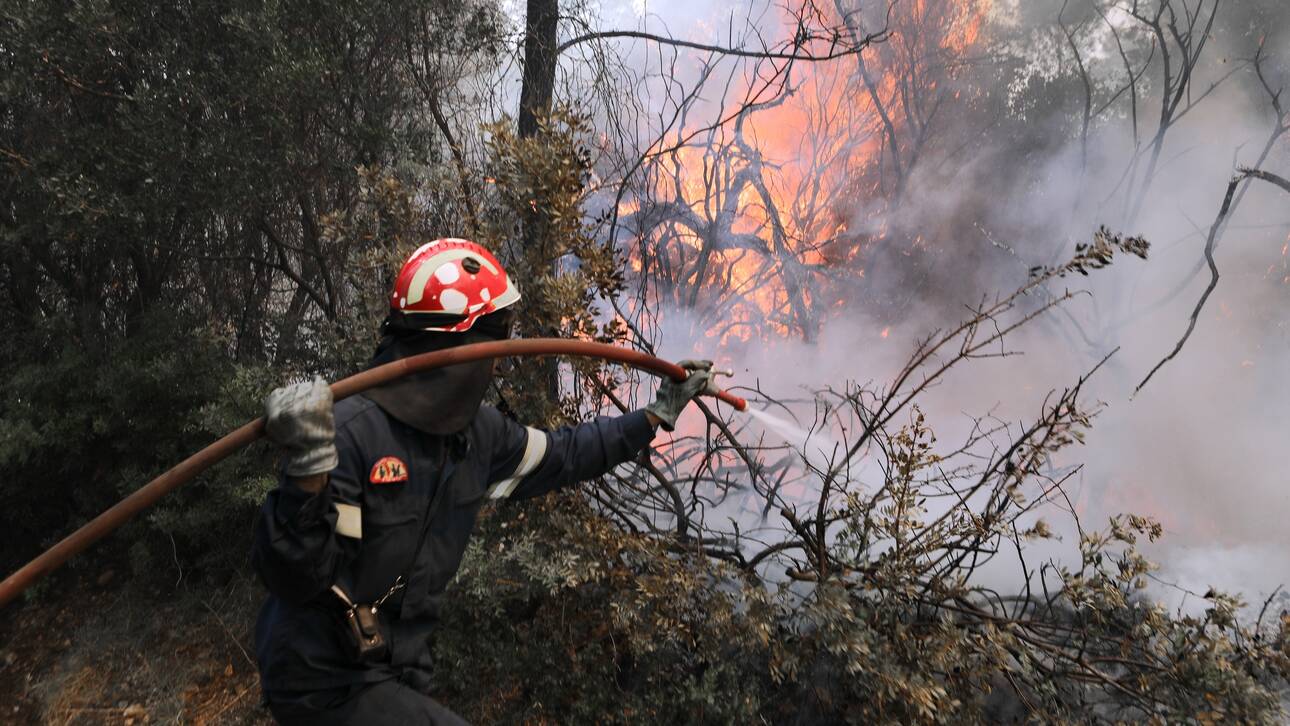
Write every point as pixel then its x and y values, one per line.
pixel 147 495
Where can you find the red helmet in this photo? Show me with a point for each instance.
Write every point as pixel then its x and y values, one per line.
pixel 448 284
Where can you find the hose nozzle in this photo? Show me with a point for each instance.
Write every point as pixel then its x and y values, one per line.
pixel 715 390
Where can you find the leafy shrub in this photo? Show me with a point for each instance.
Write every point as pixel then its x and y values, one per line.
pixel 78 431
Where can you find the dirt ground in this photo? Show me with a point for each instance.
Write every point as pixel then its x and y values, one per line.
pixel 94 649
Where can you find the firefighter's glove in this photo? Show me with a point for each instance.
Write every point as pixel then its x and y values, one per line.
pixel 673 396
pixel 299 418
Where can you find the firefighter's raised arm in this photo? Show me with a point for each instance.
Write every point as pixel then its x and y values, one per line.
pixel 297 550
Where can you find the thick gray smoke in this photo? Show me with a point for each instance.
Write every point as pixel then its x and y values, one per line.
pixel 1012 182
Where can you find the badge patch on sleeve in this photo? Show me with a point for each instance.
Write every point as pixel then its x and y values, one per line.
pixel 388 470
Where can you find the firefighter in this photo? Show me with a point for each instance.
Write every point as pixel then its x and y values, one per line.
pixel 379 493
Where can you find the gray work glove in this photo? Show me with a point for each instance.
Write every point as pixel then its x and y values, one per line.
pixel 299 418
pixel 673 396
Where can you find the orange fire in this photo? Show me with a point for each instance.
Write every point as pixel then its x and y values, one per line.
pixel 762 223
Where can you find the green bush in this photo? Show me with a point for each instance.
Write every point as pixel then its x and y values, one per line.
pixel 78 431
pixel 557 616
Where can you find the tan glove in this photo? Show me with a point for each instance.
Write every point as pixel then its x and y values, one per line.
pixel 299 418
pixel 673 397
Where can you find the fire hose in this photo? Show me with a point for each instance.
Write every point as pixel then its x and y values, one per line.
pixel 147 495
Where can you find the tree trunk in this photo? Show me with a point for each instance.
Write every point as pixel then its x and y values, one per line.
pixel 540 26
pixel 538 87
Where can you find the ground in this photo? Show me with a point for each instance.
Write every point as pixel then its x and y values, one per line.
pixel 95 648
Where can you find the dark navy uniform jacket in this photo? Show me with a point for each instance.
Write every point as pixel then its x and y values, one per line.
pixel 361 531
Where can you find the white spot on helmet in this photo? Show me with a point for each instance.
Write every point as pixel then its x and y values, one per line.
pixel 485 295
pixel 403 302
pixel 453 301
pixel 447 273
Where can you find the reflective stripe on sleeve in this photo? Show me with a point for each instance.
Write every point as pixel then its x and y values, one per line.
pixel 349 521
pixel 534 450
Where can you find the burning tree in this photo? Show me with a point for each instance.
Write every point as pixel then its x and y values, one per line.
pixel 777 212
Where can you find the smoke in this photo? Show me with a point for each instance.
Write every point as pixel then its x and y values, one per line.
pixel 1202 447
pixel 1011 181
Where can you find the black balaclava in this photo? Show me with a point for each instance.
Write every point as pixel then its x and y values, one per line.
pixel 444 400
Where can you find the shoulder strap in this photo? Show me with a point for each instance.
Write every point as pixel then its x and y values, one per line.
pixel 446 472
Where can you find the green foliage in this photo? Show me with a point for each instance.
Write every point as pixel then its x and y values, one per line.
pixel 535 218
pixel 195 210
pixel 79 431
pixel 589 624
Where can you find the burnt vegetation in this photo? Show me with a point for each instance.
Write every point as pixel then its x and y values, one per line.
pixel 203 201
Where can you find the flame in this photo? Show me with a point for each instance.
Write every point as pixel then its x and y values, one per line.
pixel 762 224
